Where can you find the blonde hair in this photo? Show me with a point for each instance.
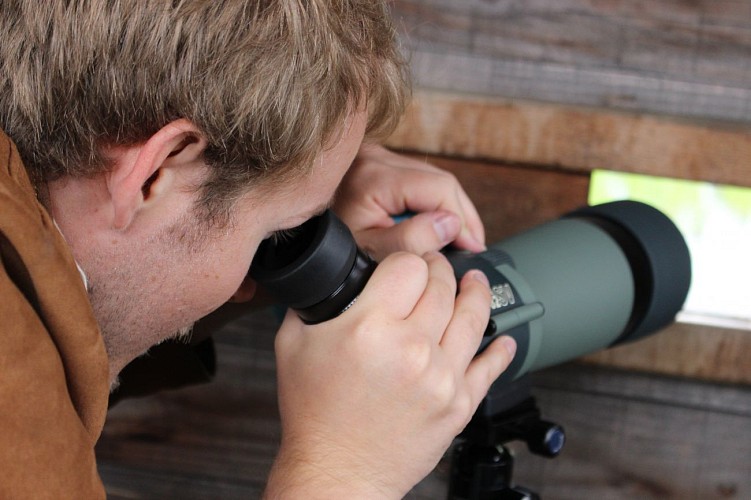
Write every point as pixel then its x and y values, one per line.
pixel 268 82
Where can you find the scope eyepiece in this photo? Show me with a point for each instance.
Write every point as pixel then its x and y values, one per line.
pixel 318 271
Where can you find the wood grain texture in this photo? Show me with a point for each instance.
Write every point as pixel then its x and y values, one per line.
pixel 635 436
pixel 688 58
pixel 629 435
pixel 608 69
pixel 573 139
pixel 687 350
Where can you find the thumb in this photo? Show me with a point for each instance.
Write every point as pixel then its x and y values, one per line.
pixel 422 233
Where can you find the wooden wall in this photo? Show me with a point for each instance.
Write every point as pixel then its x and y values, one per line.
pixel 686 58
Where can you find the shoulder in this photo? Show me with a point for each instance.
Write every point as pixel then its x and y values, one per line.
pixel 46 301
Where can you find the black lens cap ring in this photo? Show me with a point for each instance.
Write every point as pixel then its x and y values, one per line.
pixel 317 271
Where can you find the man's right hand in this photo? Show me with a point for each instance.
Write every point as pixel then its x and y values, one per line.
pixel 371 400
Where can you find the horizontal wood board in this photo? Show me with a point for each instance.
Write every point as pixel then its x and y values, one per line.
pixel 689 58
pixel 573 139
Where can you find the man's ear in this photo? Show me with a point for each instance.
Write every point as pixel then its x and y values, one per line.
pixel 144 173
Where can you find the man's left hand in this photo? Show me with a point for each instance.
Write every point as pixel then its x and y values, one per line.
pixel 381 184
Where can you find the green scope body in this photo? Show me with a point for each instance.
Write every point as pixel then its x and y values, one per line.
pixel 597 277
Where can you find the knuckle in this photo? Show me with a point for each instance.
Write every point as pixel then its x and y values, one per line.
pixel 410 262
pixel 362 330
pixel 441 264
pixel 445 175
pixel 450 181
pixel 464 408
pixel 409 241
pixel 477 323
pixel 415 360
pixel 472 322
pixel 460 407
pixel 408 267
pixel 444 287
pixel 443 391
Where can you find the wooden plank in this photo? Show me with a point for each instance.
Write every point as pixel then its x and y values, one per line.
pixel 686 350
pixel 680 58
pixel 645 387
pixel 629 435
pixel 676 57
pixel 573 139
pixel 630 446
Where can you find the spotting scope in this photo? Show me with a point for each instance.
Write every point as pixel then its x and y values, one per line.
pixel 596 277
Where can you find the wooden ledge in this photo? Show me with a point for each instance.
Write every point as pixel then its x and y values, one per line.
pixel 686 350
pixel 574 139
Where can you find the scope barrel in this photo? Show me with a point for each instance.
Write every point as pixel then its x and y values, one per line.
pixel 597 277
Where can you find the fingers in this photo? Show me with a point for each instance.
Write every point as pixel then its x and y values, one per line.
pixel 419 289
pixel 472 235
pixel 428 188
pixel 381 184
pixel 396 286
pixel 439 191
pixel 423 233
pixel 422 292
pixel 463 335
pixel 470 318
pixel 488 366
pixel 434 310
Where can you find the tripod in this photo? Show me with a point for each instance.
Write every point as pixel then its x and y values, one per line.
pixel 481 466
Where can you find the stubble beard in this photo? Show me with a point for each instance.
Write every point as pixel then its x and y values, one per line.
pixel 132 304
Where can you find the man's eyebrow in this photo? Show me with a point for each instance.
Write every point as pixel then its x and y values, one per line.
pixel 327 204
pixel 319 209
pixel 323 207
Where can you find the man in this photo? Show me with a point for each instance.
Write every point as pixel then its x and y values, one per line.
pixel 158 143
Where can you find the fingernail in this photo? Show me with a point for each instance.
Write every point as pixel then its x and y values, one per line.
pixel 509 344
pixel 480 276
pixel 446 226
pixel 479 245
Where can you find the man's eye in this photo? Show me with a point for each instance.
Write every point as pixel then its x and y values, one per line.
pixel 283 235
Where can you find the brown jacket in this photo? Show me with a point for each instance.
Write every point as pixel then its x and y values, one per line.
pixel 53 366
